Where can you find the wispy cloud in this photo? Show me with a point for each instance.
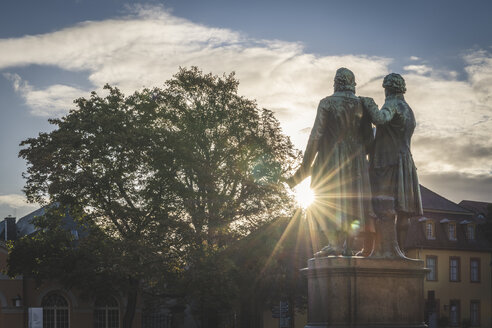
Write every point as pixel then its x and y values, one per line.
pixel 15 204
pixel 419 69
pixel 15 201
pixel 146 47
pixel 50 101
pixel 454 119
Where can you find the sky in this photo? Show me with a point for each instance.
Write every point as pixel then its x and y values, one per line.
pixel 284 53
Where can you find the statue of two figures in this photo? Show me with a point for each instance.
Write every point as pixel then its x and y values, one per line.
pixel 359 176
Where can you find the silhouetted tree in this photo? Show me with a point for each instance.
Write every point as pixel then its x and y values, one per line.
pixel 167 177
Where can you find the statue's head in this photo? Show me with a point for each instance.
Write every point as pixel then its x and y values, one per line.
pixel 344 80
pixel 393 83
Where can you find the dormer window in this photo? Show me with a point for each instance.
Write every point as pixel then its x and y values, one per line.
pixel 470 231
pixel 452 231
pixel 430 230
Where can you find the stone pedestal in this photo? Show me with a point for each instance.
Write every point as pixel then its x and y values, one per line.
pixel 365 292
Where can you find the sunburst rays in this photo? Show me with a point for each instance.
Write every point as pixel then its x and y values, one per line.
pixel 327 211
pixel 303 194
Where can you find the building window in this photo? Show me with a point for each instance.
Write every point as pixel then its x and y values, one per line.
pixel 470 231
pixel 106 313
pixel 475 313
pixel 430 231
pixel 454 268
pixel 454 312
pixel 452 230
pixel 475 269
pixel 431 264
pixel 55 311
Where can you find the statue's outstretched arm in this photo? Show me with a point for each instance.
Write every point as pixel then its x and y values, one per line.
pixel 305 169
pixel 311 149
pixel 379 117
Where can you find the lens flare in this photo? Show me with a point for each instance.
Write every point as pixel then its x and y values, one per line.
pixel 304 194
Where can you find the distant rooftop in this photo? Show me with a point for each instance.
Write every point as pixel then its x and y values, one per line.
pixel 442 211
pixel 476 207
pixel 25 225
pixel 416 237
pixel 435 202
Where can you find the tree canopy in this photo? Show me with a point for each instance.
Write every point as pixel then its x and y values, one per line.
pixel 163 176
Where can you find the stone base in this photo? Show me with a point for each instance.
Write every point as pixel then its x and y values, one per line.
pixel 365 292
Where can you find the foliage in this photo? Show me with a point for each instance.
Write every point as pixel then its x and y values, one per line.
pixel 164 180
pixel 229 156
pixel 212 287
pixel 269 262
pixel 54 253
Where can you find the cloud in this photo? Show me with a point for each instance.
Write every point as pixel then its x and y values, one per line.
pixel 148 45
pixel 470 156
pixel 458 186
pixel 51 101
pixel 15 201
pixel 146 48
pixel 454 119
pixel 16 205
pixel 479 70
pixel 419 69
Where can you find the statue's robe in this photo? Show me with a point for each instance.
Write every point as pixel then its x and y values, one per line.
pixel 395 184
pixel 340 138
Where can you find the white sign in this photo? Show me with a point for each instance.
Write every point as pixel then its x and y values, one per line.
pixel 35 317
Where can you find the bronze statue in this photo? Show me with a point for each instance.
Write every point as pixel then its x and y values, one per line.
pixel 338 144
pixel 394 181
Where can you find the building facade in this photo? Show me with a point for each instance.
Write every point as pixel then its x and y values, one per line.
pixel 23 303
pixel 449 239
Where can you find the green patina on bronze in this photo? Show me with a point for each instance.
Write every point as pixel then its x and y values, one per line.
pixel 393 172
pixel 335 157
pixel 347 186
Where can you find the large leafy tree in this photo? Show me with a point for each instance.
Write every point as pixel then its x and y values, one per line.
pixel 229 159
pixel 101 163
pixel 229 156
pixel 166 177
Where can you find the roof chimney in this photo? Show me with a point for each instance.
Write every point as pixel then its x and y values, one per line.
pixel 10 228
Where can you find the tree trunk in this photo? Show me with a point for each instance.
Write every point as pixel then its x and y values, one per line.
pixel 131 303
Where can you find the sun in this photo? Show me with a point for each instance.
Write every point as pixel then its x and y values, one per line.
pixel 303 194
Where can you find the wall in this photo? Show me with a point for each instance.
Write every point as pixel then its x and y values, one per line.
pixel 464 290
pixel 80 309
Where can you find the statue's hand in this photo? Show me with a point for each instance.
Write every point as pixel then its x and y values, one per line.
pixel 291 182
pixel 367 102
pixel 301 174
pixel 391 104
